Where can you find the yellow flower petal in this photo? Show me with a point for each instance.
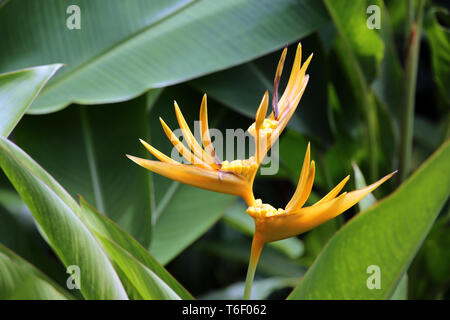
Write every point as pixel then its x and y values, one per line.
pixel 293 78
pixel 185 152
pixel 190 139
pixel 304 194
pixel 262 111
pixel 333 193
pixel 208 179
pixel 302 180
pixel 293 223
pixel 276 83
pixel 159 155
pixel 286 115
pixel 259 120
pixel 204 129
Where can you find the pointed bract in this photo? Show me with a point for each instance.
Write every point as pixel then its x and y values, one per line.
pixel 294 222
pixel 208 179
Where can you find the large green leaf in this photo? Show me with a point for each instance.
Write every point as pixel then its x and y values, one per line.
pixel 114 237
pixel 439 40
pixel 20 280
pixel 401 292
pixel 144 280
pixel 350 19
pixel 84 149
pixel 387 235
pixel 20 234
pixel 145 44
pixel 388 85
pixel 189 214
pixel 18 89
pixel 58 217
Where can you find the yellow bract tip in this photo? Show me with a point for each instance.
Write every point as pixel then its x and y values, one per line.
pixel 262 111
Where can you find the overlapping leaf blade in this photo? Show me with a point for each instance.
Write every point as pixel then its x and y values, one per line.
pixel 18 89
pixel 122 244
pixel 388 235
pixel 156 43
pixel 57 215
pixel 20 280
pixel 87 148
pixel 439 40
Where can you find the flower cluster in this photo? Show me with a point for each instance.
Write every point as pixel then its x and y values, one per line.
pixel 236 177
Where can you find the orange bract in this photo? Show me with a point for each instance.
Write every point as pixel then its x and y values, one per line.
pixel 277 224
pixel 236 177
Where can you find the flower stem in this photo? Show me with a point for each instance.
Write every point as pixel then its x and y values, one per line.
pixel 257 246
pixel 409 90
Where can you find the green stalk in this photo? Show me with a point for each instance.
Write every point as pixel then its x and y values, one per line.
pixel 409 20
pixel 249 280
pixel 257 246
pixel 409 90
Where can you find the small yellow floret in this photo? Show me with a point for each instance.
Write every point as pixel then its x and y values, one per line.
pixel 263 210
pixel 241 167
pixel 266 128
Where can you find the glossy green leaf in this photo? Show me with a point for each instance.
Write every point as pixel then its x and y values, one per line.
pixel 401 292
pixel 439 39
pixel 18 89
pixel 387 235
pixel 20 280
pixel 387 88
pixel 389 85
pixel 144 280
pixel 123 244
pixel 58 217
pixel 350 19
pixel 188 214
pixel 88 148
pixel 150 44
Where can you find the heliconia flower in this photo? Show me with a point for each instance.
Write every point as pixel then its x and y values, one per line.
pixel 267 130
pixel 276 224
pixel 235 177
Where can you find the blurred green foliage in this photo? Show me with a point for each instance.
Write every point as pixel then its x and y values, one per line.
pixel 123 70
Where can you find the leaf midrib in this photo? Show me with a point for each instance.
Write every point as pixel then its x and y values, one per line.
pixel 79 68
